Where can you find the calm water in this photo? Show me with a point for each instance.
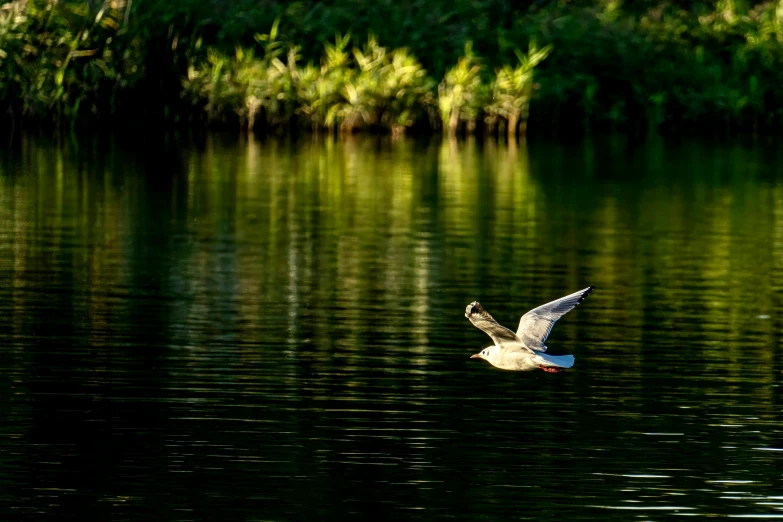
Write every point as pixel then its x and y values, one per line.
pixel 274 331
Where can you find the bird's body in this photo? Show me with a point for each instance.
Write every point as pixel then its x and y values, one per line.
pixel 523 361
pixel 524 350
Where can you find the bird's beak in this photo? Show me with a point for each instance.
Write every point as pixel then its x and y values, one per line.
pixel 477 356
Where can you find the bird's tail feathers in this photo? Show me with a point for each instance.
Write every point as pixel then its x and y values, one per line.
pixel 561 361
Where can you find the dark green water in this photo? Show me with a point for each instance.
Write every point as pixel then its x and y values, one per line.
pixel 274 330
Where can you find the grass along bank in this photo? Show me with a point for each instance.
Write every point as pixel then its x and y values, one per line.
pixel 712 65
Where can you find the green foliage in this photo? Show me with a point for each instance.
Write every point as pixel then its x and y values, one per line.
pixel 217 84
pixel 513 88
pixel 320 88
pixel 368 87
pixel 244 85
pixel 673 65
pixel 63 59
pixel 462 95
pixel 398 85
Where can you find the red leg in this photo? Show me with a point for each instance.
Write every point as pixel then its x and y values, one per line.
pixel 551 369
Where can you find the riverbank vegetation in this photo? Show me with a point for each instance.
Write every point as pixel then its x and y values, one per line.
pixel 461 65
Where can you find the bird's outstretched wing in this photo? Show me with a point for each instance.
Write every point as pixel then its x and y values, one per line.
pixel 500 335
pixel 534 327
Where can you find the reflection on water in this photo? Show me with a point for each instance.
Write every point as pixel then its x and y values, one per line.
pixel 275 331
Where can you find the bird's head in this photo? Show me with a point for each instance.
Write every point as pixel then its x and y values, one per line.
pixel 483 354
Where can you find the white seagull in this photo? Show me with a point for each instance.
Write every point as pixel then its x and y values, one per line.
pixel 524 350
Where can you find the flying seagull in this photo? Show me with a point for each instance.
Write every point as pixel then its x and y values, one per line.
pixel 524 350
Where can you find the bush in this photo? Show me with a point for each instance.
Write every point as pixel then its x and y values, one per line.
pixel 512 89
pixel 369 87
pixel 64 60
pixel 462 95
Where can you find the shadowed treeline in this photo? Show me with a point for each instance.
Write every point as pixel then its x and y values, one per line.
pixel 463 65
